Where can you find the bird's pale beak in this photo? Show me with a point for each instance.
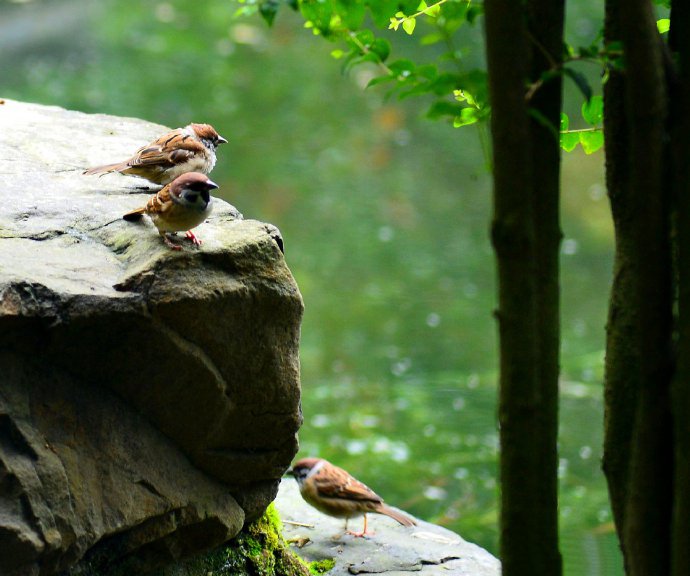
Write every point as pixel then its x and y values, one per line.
pixel 211 184
pixel 221 140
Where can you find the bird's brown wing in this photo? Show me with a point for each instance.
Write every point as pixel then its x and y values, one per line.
pixel 160 202
pixel 343 485
pixel 157 204
pixel 169 150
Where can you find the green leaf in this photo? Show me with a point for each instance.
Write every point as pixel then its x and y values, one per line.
pixel 381 80
pixel 663 25
pixel 591 141
pixel 580 81
pixel 338 53
pixel 467 116
pixel 382 49
pixel 465 96
pixel 409 25
pixel 365 37
pixel 319 14
pixel 473 12
pixel 432 38
pixel 593 110
pixel 381 11
pixel 433 11
pixel 351 13
pixel 569 141
pixel 444 108
pixel 268 10
pixel 402 67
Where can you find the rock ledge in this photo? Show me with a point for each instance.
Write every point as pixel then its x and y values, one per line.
pixel 149 400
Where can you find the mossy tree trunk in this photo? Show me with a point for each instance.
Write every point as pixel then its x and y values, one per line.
pixel 526 237
pixel 639 440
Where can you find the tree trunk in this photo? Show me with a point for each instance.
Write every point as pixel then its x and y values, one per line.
pixel 546 19
pixel 526 237
pixel 680 145
pixel 638 459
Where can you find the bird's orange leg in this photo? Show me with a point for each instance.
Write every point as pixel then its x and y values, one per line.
pixel 169 242
pixel 363 533
pixel 190 235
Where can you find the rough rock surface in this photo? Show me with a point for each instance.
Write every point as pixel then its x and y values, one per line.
pixel 392 550
pixel 149 399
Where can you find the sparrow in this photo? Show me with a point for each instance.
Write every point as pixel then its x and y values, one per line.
pixel 188 149
pixel 333 491
pixel 180 205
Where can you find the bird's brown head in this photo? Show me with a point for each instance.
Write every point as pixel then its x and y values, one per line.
pixel 208 133
pixel 301 469
pixel 192 187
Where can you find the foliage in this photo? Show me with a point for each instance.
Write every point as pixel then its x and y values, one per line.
pixel 592 138
pixel 458 93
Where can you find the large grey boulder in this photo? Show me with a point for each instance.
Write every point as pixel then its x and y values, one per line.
pixel 149 399
pixel 391 549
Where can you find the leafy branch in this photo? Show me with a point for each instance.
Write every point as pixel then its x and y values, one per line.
pixel 592 138
pixel 409 22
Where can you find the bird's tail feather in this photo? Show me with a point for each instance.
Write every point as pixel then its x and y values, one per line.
pixel 106 168
pixel 399 516
pixel 134 215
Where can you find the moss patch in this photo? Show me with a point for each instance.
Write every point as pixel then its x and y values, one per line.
pixel 258 550
pixel 321 566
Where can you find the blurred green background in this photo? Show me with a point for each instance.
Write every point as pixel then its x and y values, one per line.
pixel 385 216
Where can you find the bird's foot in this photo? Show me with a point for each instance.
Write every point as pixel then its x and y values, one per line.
pixel 170 243
pixel 190 236
pixel 362 534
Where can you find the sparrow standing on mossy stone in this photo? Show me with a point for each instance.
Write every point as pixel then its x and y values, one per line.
pixel 333 491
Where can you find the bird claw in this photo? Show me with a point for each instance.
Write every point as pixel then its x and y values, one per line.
pixel 170 243
pixel 190 235
pixel 362 534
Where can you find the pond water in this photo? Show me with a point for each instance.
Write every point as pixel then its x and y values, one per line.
pixel 385 217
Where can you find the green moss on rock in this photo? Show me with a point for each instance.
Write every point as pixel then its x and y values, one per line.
pixel 321 566
pixel 258 550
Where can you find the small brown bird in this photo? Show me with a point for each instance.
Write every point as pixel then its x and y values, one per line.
pixel 333 491
pixel 178 206
pixel 188 149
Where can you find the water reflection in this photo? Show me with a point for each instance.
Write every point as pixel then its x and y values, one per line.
pixel 385 217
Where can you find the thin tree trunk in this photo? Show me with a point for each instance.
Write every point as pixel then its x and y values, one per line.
pixel 638 460
pixel 546 18
pixel 527 254
pixel 622 380
pixel 680 145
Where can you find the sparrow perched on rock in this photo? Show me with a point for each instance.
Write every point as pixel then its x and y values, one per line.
pixel 188 149
pixel 333 491
pixel 178 206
